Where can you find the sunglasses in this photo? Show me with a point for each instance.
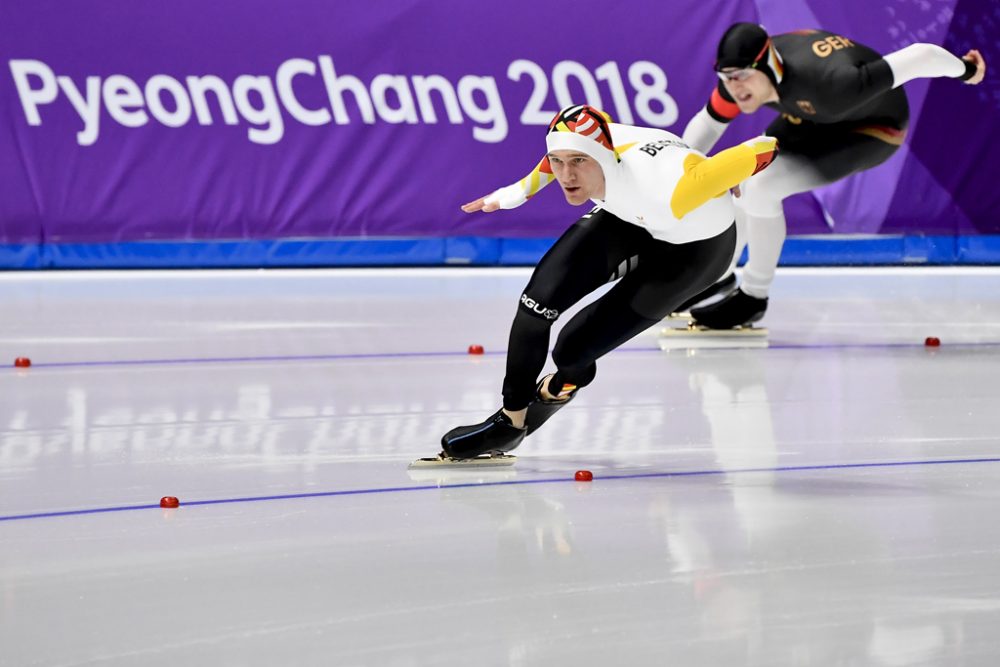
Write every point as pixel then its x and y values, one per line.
pixel 736 74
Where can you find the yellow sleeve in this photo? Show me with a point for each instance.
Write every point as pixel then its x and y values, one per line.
pixel 707 178
pixel 516 194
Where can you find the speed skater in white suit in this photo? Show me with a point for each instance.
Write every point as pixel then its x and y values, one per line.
pixel 662 228
pixel 842 110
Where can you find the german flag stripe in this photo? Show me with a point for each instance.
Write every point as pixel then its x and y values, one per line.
pixel 763 159
pixel 889 135
pixel 587 122
pixel 721 107
pixel 774 62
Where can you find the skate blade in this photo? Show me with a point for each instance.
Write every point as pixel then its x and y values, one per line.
pixel 683 316
pixel 694 336
pixel 439 475
pixel 480 462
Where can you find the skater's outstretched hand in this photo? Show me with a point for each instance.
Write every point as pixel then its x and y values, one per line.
pixel 481 205
pixel 976 58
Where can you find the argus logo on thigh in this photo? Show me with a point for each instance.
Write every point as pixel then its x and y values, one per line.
pixel 538 309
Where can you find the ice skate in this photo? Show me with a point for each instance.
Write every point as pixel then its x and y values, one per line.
pixel 726 323
pixel 483 444
pixel 541 409
pixel 739 309
pixel 724 287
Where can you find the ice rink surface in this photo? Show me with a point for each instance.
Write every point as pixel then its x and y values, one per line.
pixel 829 500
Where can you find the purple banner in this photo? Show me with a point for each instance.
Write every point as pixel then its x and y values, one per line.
pixel 131 121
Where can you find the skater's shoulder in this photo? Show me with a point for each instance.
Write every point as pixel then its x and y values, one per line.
pixel 809 56
pixel 627 137
pixel 651 149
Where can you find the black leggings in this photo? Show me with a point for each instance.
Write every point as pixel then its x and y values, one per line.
pixel 834 151
pixel 654 277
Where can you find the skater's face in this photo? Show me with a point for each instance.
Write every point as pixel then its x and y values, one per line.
pixel 580 176
pixel 749 87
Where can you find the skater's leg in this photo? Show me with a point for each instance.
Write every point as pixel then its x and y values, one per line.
pixel 723 286
pixel 766 236
pixel 741 239
pixel 727 282
pixel 760 215
pixel 808 161
pixel 667 274
pixel 583 259
pixel 593 332
pixel 527 351
pixel 811 156
pixel 706 178
pixel 761 211
pixel 595 250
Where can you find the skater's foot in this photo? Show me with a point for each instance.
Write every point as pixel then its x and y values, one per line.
pixel 546 403
pixel 724 286
pixel 495 435
pixel 739 309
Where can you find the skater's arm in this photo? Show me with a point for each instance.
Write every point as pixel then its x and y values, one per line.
pixel 706 126
pixel 707 178
pixel 923 61
pixel 703 131
pixel 850 86
pixel 514 194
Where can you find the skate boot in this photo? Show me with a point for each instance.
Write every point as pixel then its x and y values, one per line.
pixel 724 286
pixel 496 434
pixel 739 309
pixel 541 409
